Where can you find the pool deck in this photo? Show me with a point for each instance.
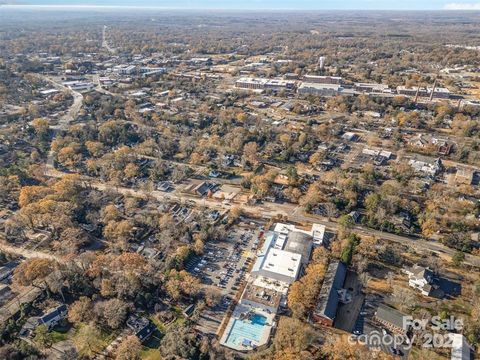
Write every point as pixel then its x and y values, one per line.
pixel 264 336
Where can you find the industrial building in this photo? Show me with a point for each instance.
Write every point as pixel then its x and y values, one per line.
pixel 323 79
pixel 371 88
pixel 319 89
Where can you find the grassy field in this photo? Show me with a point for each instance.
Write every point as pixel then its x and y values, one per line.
pixel 60 333
pixel 150 354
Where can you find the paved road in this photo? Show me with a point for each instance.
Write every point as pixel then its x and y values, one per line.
pixel 104 41
pixel 72 113
pixel 67 118
pixel 267 210
pixel 100 89
pixel 291 211
pixel 27 253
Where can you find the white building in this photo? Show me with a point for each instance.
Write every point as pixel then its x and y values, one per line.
pixel 372 88
pixel 278 264
pixel 426 168
pixel 263 84
pixel 49 92
pixel 321 62
pixel 79 85
pixel 317 232
pixel 420 278
pixel 320 89
pixel 124 69
pixel 461 349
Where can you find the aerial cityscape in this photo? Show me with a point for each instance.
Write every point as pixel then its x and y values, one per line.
pixel 267 181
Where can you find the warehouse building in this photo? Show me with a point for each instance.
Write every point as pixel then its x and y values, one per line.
pixel 320 89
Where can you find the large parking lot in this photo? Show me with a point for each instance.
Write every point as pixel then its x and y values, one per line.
pixel 225 265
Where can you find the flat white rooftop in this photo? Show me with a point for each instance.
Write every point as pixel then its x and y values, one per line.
pixel 317 231
pixel 282 262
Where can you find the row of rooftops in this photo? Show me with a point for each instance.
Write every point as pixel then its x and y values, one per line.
pixel 314 83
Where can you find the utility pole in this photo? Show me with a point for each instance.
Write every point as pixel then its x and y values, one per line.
pixel 433 89
pixel 416 95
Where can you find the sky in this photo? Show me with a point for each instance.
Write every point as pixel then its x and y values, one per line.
pixel 272 4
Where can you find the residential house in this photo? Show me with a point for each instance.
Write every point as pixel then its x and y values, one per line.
pixel 427 168
pixel 141 327
pixel 5 291
pixel 50 319
pixel 421 278
pixel 7 270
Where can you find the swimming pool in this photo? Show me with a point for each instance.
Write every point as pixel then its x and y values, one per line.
pixel 259 319
pixel 246 330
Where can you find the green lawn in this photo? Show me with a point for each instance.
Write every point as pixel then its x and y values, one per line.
pixel 58 336
pixel 150 354
pixel 60 333
pixel 160 325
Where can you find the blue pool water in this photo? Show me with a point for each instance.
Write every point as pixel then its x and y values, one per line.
pixel 259 319
pixel 246 330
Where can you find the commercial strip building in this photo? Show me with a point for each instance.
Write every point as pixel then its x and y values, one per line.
pixel 285 252
pixel 79 85
pixel 438 92
pixel 264 84
pixel 372 88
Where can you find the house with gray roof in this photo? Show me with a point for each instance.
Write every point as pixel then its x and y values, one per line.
pixel 50 319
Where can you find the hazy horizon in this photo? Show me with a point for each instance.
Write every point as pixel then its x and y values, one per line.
pixel 261 4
